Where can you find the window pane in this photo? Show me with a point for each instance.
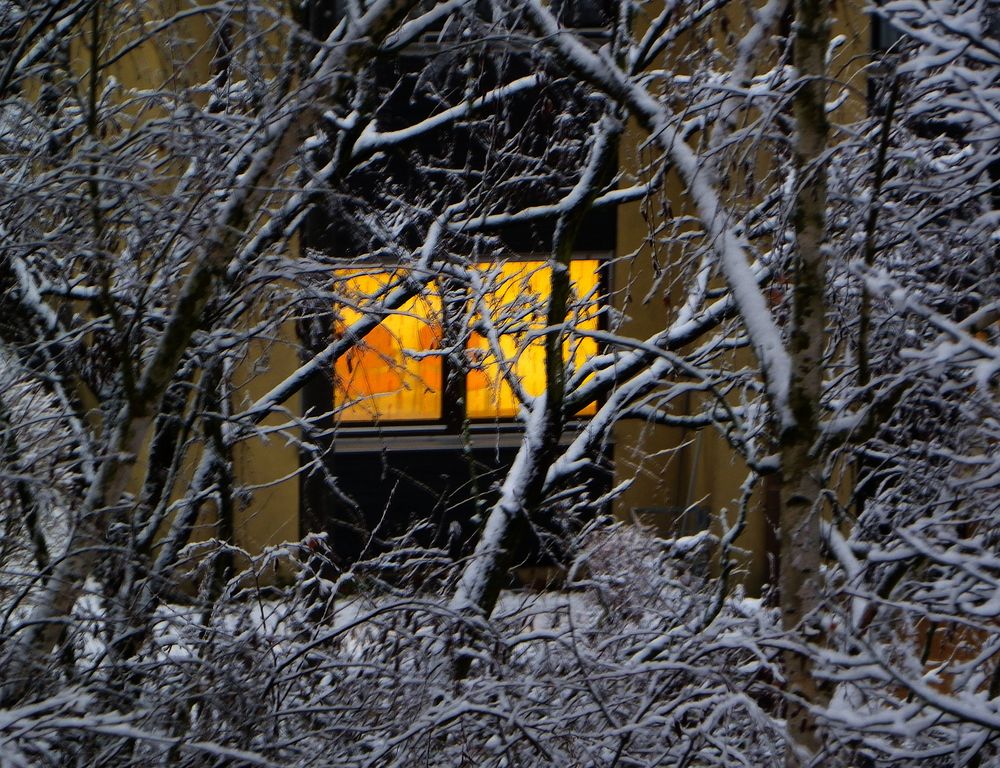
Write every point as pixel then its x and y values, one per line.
pixel 516 304
pixel 386 378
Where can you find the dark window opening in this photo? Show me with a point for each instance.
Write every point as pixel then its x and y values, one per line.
pixel 423 425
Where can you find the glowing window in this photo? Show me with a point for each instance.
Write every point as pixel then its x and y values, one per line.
pixel 518 298
pixel 389 375
pixel 396 373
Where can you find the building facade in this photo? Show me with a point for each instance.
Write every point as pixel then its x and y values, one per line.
pixel 419 420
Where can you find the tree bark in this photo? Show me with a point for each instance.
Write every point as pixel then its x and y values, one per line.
pixel 800 579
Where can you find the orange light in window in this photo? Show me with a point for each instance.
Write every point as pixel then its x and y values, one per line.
pixel 388 376
pixel 516 303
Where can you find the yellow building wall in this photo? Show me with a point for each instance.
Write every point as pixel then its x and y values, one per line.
pixel 671 468
pixel 268 465
pixel 179 58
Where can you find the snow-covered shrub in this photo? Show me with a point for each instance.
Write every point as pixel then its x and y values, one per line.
pixel 622 668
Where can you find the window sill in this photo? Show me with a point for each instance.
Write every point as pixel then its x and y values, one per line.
pixel 433 437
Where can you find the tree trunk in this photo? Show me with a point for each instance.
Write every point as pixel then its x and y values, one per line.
pixel 800 579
